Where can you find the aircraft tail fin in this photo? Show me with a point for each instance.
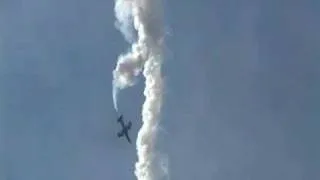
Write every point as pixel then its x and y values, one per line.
pixel 120 118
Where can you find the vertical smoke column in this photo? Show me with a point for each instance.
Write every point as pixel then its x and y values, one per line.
pixel 143 17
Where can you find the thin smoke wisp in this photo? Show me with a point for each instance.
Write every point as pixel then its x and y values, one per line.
pixel 140 21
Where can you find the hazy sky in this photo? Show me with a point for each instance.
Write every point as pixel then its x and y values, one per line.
pixel 242 83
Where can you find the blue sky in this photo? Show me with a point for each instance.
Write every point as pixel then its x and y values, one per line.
pixel 241 96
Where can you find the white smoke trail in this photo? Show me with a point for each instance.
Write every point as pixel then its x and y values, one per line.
pixel 114 97
pixel 145 18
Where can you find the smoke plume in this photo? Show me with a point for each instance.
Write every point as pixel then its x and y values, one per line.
pixel 141 23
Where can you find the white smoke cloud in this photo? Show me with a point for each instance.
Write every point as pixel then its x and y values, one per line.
pixel 144 17
pixel 123 13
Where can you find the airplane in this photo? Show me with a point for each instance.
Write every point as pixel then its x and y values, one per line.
pixel 125 128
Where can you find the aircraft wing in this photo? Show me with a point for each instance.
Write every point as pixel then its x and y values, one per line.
pixel 128 138
pixel 120 133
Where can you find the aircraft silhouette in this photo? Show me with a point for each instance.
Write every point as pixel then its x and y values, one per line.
pixel 125 128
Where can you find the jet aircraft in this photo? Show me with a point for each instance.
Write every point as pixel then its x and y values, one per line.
pixel 125 128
